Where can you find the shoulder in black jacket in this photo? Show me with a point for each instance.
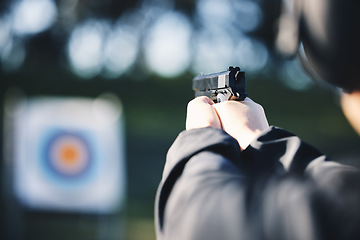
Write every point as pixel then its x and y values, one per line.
pixel 278 188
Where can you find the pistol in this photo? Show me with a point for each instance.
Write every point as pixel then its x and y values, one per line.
pixel 222 86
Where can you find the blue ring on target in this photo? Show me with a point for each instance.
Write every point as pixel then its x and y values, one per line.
pixel 68 155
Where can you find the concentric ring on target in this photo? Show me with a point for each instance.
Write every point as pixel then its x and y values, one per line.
pixel 68 154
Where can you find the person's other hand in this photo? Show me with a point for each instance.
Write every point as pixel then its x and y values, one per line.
pixel 242 120
pixel 201 113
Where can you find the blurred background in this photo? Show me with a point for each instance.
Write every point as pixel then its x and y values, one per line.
pixel 133 62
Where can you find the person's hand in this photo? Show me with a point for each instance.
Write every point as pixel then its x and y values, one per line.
pixel 242 120
pixel 350 103
pixel 201 113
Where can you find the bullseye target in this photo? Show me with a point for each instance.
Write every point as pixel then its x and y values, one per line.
pixel 68 155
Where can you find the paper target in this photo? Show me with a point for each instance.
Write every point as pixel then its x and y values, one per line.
pixel 68 154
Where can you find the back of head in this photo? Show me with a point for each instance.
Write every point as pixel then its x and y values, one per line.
pixel 328 32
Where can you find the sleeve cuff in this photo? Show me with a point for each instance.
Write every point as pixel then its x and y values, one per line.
pixel 280 150
pixel 190 142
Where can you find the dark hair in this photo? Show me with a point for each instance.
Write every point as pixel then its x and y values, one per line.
pixel 328 31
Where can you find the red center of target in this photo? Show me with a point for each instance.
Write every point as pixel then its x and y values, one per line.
pixel 69 155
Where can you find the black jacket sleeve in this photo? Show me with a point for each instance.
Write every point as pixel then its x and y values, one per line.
pixel 278 188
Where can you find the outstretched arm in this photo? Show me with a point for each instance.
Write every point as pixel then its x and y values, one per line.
pixel 278 187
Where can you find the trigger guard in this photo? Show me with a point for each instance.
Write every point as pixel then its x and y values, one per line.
pixel 221 98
